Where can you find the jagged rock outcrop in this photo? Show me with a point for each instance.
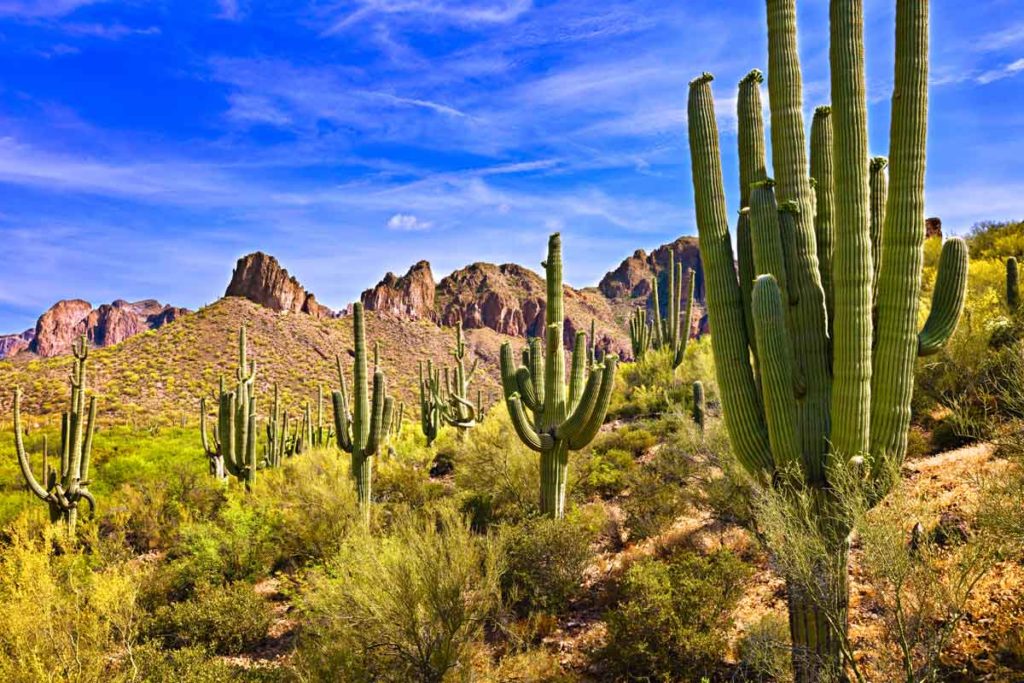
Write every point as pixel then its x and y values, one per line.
pixel 106 325
pixel 933 227
pixel 632 278
pixel 410 297
pixel 259 278
pixel 508 299
pixel 13 344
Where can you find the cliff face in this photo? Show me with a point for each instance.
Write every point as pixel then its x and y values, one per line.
pixel 410 297
pixel 13 344
pixel 106 325
pixel 259 278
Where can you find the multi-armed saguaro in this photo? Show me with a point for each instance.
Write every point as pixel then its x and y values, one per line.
pixel 672 332
pixel 362 431
pixel 828 394
pixel 62 489
pixel 233 448
pixel 279 444
pixel 639 333
pixel 562 421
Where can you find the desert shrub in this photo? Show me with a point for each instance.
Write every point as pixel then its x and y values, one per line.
pixel 195 664
pixel 227 619
pixel 63 617
pixel 764 650
pixel 604 473
pixel 309 506
pixel 407 607
pixel 496 475
pixel 673 616
pixel 545 560
pixel 528 666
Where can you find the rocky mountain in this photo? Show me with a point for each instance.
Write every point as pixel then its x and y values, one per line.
pixel 106 325
pixel 11 344
pixel 259 278
pixel 410 297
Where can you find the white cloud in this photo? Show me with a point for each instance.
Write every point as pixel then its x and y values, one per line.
pixel 1011 69
pixel 36 9
pixel 465 13
pixel 408 222
pixel 114 31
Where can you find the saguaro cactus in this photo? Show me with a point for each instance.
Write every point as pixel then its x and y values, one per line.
pixel 823 404
pixel 673 332
pixel 279 443
pixel 448 400
pixel 362 431
pixel 233 447
pixel 639 333
pixel 699 404
pixel 1012 285
pixel 561 420
pixel 431 404
pixel 64 488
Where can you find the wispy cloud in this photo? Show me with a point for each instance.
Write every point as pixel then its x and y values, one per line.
pixel 467 12
pixel 993 75
pixel 229 9
pixel 407 222
pixel 114 31
pixel 35 9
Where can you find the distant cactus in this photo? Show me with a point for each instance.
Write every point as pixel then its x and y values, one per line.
pixel 563 420
pixel 639 333
pixel 431 404
pixel 280 444
pixel 448 400
pixel 673 332
pixel 64 488
pixel 1012 285
pixel 699 406
pixel 233 447
pixel 362 431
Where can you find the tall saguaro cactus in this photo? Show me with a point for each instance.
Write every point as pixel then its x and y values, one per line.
pixel 673 332
pixel 62 489
pixel 233 447
pixel 563 418
pixel 364 430
pixel 828 397
pixel 639 333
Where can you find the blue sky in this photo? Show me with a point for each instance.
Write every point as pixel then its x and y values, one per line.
pixel 144 146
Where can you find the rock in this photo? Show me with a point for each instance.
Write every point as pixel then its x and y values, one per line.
pixel 951 530
pixel 632 278
pixel 508 299
pixel 410 297
pixel 933 228
pixel 13 344
pixel 59 326
pixel 259 278
pixel 109 324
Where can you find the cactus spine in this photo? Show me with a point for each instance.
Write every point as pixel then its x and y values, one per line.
pixel 64 488
pixel 361 431
pixel 823 400
pixel 563 419
pixel 1012 285
pixel 639 334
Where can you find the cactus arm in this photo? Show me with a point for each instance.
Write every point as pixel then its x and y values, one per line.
pixel 577 375
pixel 527 392
pixel 90 499
pixel 656 305
pixel 899 278
pixel 824 200
pixel 742 405
pixel 374 434
pixel 230 440
pixel 765 234
pixel 684 322
pixel 879 183
pixel 578 417
pixel 202 426
pixel 593 424
pixel 521 423
pixel 23 461
pixel 947 300
pixel 341 425
pixel 776 352
pixel 753 168
pixel 536 366
pixel 87 446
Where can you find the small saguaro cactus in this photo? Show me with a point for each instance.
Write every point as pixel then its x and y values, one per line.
pixel 280 444
pixel 673 332
pixel 815 344
pixel 562 420
pixel 1012 285
pixel 431 404
pixel 64 488
pixel 233 447
pixel 362 431
pixel 639 333
pixel 699 404
pixel 459 411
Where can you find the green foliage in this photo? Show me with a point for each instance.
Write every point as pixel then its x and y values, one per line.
pixel 764 650
pixel 228 619
pixel 407 607
pixel 673 616
pixel 545 560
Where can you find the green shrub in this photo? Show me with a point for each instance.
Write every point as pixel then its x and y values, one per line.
pixel 764 650
pixel 229 619
pixel 673 616
pixel 545 560
pixel 604 473
pixel 407 607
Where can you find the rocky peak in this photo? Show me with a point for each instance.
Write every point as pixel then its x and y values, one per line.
pixel 410 297
pixel 13 344
pixel 259 278
pixel 632 278
pixel 106 325
pixel 933 227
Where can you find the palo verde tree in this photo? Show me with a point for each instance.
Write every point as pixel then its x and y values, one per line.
pixel 815 388
pixel 563 418
pixel 65 487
